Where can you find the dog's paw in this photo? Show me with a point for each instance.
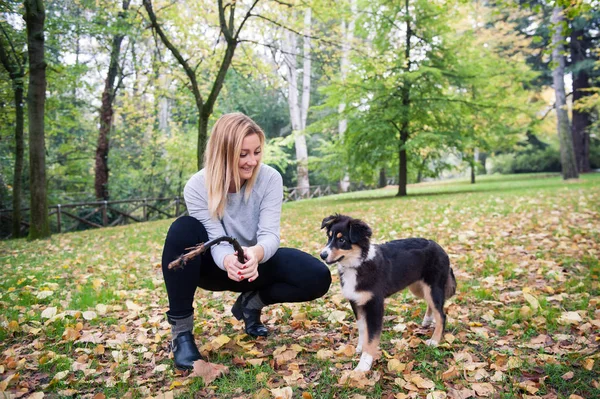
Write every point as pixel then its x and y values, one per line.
pixel 428 321
pixel 365 362
pixel 431 342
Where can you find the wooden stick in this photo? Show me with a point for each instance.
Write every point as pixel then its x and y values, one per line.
pixel 180 262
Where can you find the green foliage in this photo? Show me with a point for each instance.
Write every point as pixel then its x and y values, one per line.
pixel 542 160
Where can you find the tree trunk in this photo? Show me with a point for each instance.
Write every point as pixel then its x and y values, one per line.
pixel 348 38
pixel 35 14
pixel 579 46
pixel 299 111
pixel 19 153
pixel 17 73
pixel 382 178
pixel 567 155
pixel 106 114
pixel 404 130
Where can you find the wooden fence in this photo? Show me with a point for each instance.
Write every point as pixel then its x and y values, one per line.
pixel 97 214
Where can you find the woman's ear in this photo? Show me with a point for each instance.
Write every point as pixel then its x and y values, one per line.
pixel 359 231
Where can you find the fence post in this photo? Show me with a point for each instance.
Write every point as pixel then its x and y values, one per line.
pixel 176 207
pixel 105 214
pixel 145 210
pixel 58 216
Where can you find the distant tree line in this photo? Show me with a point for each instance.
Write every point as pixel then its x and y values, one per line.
pixel 120 96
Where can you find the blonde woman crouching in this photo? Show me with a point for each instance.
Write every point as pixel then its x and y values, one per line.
pixel 235 195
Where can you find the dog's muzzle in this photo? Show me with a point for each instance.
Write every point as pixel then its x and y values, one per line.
pixel 325 255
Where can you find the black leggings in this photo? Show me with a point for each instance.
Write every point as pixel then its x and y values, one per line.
pixel 289 276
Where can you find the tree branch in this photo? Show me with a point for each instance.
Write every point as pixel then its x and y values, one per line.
pixel 188 70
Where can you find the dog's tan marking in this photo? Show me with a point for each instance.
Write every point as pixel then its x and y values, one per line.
pixel 330 233
pixel 339 235
pixel 352 257
pixel 439 321
pixel 370 349
pixel 361 323
pixel 417 289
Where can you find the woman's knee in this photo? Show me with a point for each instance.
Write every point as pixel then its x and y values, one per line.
pixel 186 231
pixel 311 273
pixel 321 280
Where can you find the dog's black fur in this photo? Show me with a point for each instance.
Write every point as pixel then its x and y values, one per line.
pixel 369 273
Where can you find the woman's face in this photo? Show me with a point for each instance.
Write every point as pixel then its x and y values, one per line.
pixel 250 156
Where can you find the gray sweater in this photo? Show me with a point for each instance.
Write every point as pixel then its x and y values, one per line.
pixel 255 222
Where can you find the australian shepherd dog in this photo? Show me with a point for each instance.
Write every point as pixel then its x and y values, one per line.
pixel 369 273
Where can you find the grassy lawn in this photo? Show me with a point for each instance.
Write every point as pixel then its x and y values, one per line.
pixel 82 314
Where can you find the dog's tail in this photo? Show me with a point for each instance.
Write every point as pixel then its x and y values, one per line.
pixel 450 284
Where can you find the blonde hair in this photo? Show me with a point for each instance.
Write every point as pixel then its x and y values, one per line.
pixel 222 157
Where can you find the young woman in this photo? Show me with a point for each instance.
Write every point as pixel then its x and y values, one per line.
pixel 235 195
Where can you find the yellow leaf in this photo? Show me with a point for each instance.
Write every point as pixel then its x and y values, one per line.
pixel 533 302
pixel 588 364
pixel 394 365
pixel 220 341
pixel 13 326
pixel 99 350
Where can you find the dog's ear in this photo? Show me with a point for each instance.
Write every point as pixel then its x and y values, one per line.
pixel 359 230
pixel 329 220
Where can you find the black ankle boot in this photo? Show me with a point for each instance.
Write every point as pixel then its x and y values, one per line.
pixel 185 351
pixel 251 317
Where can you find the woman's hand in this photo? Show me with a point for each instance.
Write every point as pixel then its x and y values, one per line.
pixel 233 267
pixel 237 271
pixel 253 256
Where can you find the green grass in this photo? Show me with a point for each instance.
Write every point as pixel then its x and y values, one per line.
pixel 506 236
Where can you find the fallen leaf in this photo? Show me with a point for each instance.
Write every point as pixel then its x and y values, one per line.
pixel 437 395
pixel 49 312
pixel 568 375
pixel 395 366
pixel 336 316
pixel 567 318
pixel 533 302
pixel 282 393
pixel 451 373
pixel 588 364
pixel 483 389
pixel 89 315
pixel 324 354
pixel 208 371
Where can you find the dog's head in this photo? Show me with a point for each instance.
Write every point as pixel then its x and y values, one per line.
pixel 348 240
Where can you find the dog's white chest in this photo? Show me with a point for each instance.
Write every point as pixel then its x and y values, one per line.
pixel 348 277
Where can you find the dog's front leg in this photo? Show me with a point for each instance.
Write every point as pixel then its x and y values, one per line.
pixel 360 324
pixel 373 321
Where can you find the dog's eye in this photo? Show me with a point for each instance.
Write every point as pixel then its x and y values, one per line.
pixel 341 240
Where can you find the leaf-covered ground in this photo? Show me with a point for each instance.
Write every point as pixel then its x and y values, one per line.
pixel 82 314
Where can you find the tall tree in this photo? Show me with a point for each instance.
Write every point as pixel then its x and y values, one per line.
pixel 347 39
pixel 35 16
pixel 231 33
pixel 106 109
pixel 299 104
pixel 14 64
pixel 567 154
pixel 581 45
